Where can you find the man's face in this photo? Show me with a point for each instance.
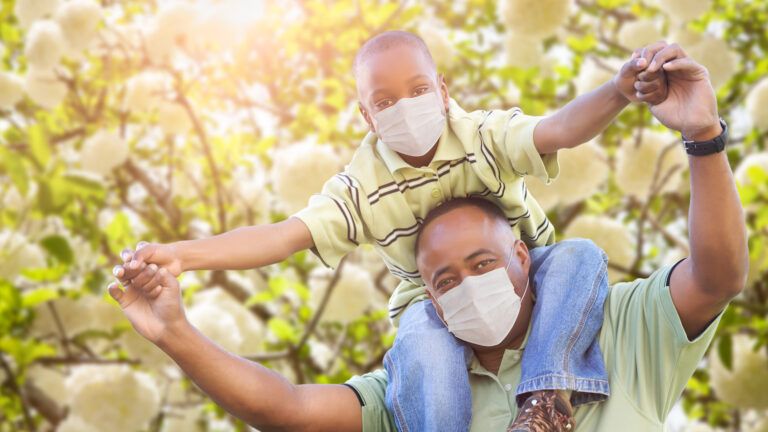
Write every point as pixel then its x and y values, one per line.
pixel 467 242
pixel 400 72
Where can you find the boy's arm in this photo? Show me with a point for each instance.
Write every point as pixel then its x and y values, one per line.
pixel 247 390
pixel 589 114
pixel 241 248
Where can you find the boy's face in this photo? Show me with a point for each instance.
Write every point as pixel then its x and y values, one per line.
pixel 400 72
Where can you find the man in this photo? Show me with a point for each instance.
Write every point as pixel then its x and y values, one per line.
pixel 655 330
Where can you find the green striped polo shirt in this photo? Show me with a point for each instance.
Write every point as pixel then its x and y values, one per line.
pixel 381 200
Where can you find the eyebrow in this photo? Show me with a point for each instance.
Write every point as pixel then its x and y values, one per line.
pixel 469 257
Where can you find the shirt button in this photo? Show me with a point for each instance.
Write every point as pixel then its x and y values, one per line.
pixel 435 193
pixel 508 387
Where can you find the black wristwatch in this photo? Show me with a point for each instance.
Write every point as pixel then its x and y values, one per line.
pixel 715 145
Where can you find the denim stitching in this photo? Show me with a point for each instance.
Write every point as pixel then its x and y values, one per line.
pixel 399 416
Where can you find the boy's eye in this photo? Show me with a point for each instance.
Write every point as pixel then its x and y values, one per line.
pixel 383 103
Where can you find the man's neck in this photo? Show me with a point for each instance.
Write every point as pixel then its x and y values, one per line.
pixel 491 359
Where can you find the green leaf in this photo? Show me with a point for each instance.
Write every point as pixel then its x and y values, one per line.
pixel 58 247
pixel 283 330
pixel 33 298
pixel 725 351
pixel 13 165
pixel 38 145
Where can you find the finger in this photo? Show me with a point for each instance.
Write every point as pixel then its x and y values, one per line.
pixel 649 51
pixel 161 279
pixel 142 254
pixel 631 68
pixel 650 98
pixel 682 64
pixel 126 254
pixel 118 271
pixel 650 76
pixel 647 87
pixel 141 280
pixel 669 53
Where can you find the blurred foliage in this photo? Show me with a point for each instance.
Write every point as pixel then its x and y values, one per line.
pixel 287 79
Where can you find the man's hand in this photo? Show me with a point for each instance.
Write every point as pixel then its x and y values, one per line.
pixel 163 255
pixel 155 307
pixel 652 87
pixel 691 106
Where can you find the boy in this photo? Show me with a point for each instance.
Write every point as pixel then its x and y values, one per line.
pixel 423 150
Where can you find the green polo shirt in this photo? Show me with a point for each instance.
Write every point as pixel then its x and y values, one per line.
pixel 381 200
pixel 647 354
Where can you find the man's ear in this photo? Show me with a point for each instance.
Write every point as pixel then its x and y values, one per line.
pixel 522 254
pixel 444 91
pixel 366 116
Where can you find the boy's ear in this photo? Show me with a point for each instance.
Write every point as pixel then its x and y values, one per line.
pixel 366 116
pixel 444 91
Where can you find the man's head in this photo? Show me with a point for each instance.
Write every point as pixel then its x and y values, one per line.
pixel 470 237
pixel 391 66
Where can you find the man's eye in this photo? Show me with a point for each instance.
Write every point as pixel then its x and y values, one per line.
pixel 484 263
pixel 444 283
pixel 420 91
pixel 384 103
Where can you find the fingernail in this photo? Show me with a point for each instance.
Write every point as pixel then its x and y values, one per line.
pixel 116 270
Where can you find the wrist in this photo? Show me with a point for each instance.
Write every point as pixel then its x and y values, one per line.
pixel 616 92
pixel 180 251
pixel 703 133
pixel 175 334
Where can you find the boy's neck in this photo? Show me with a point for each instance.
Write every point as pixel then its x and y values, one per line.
pixel 420 161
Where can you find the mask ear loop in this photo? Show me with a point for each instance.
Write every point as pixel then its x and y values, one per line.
pixel 527 280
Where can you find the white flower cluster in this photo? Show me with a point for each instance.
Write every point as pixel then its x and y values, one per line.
pixel 301 170
pixel 523 51
pixel 102 152
pixel 583 170
pixel 715 54
pixel 249 328
pixel 757 105
pixel 28 11
pixel 637 34
pixel 591 75
pixel 145 91
pixel 173 118
pixel 698 427
pixel 636 164
pixel 610 235
pixel 17 252
pixel 181 420
pixel 351 297
pixel 113 397
pixel 139 348
pixel 756 162
pixel 76 316
pixel 440 47
pixel 535 18
pixel 683 10
pixel 212 320
pixel 74 424
pixel 79 21
pixel 743 386
pixel 44 45
pixel 249 186
pixel 11 90
pixel 44 88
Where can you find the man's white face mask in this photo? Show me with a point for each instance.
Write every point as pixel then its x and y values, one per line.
pixel 412 125
pixel 482 309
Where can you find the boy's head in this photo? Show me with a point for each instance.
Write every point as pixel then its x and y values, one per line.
pixel 391 66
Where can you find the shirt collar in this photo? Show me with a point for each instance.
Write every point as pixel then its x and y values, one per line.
pixel 449 146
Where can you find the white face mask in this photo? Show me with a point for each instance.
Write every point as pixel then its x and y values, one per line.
pixel 482 309
pixel 412 125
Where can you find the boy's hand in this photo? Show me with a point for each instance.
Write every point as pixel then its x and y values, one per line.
pixel 155 309
pixel 638 85
pixel 163 255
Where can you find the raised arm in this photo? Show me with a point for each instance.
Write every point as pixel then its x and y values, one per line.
pixel 589 114
pixel 716 270
pixel 241 248
pixel 245 389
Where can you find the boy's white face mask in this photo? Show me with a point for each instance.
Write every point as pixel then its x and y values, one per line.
pixel 482 309
pixel 412 125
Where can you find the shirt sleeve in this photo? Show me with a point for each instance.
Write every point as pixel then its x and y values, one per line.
pixel 334 219
pixel 511 133
pixel 654 359
pixel 370 389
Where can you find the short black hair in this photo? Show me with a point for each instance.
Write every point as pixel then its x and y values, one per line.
pixel 389 39
pixel 487 207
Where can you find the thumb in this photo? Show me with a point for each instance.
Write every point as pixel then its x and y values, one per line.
pixel 633 67
pixel 144 252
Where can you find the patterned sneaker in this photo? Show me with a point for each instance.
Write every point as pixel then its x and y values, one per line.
pixel 544 411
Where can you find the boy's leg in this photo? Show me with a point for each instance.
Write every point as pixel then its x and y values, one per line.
pixel 562 352
pixel 428 387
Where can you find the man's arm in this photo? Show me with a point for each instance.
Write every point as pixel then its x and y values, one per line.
pixel 243 388
pixel 589 114
pixel 716 271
